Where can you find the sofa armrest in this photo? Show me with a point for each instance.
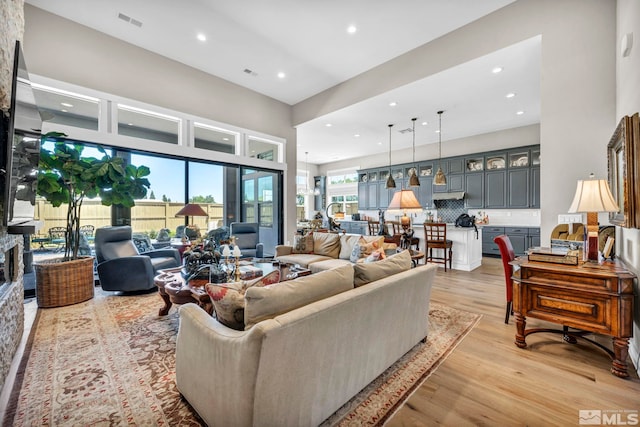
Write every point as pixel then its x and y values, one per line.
pixel 283 250
pixel 212 359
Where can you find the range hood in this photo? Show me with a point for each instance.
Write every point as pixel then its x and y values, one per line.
pixel 454 195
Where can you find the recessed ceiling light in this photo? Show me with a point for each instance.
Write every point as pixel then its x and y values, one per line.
pixel 357 135
pixel 201 37
pixel 496 70
pixel 424 123
pixel 510 95
pixel 281 75
pixel 129 124
pixel 393 104
pixel 520 112
pixel 437 130
pixel 328 125
pixel 379 143
pixel 225 139
pixel 63 110
pixel 351 29
pixel 66 104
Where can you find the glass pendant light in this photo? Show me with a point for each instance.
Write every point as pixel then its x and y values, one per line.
pixel 413 178
pixel 391 183
pixel 440 178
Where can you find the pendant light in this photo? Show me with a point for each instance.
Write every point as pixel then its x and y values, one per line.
pixel 391 183
pixel 440 178
pixel 413 178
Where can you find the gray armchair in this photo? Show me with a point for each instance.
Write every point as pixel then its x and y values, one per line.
pixel 121 267
pixel 247 236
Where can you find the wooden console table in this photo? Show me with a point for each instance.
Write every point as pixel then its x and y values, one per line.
pixel 589 297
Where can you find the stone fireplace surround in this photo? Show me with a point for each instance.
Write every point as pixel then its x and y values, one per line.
pixel 11 302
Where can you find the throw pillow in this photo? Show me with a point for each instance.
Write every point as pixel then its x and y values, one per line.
pixel 376 255
pixel 347 242
pixel 327 244
pixel 270 301
pixel 363 248
pixel 228 298
pixel 369 272
pixel 303 244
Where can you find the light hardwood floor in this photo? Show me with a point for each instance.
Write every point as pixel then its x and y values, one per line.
pixel 489 381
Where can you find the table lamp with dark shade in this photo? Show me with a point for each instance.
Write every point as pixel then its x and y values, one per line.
pixel 592 196
pixel 192 209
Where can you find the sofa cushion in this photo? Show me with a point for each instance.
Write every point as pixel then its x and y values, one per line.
pixel 305 260
pixel 364 273
pixel 365 248
pixel 328 264
pixel 303 244
pixel 327 244
pixel 270 301
pixel 228 298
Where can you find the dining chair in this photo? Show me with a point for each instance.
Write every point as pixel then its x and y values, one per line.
pixel 435 236
pixel 374 227
pixel 507 254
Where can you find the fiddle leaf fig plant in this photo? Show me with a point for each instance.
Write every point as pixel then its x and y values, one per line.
pixel 66 177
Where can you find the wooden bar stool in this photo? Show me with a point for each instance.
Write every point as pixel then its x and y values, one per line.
pixel 435 236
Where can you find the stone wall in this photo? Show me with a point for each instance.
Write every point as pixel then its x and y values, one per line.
pixel 11 29
pixel 11 293
pixel 11 303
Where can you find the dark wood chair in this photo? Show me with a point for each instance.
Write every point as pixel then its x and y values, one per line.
pixel 374 227
pixel 435 236
pixel 508 255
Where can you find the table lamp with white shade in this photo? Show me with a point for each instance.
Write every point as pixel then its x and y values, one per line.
pixel 592 196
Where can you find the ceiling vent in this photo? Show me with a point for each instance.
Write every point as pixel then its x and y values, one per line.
pixel 407 130
pixel 130 20
pixel 250 72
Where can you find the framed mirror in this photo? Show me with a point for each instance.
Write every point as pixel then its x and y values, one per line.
pixel 622 173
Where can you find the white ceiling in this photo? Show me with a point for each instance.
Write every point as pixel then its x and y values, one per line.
pixel 308 41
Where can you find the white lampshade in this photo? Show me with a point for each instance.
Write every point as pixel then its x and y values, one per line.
pixel 593 195
pixel 226 251
pixel 236 252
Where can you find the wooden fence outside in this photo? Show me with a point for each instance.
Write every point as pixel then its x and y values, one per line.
pixel 147 216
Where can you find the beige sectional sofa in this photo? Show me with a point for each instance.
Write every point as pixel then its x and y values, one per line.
pixel 327 250
pixel 299 366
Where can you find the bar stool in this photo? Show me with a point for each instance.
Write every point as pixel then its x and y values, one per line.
pixel 435 236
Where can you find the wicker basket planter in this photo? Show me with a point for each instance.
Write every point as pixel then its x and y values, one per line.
pixel 64 283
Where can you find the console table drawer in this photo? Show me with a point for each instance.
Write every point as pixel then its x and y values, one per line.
pixel 590 313
pixel 571 280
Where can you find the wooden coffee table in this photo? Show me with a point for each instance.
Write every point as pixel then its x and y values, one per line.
pixel 173 290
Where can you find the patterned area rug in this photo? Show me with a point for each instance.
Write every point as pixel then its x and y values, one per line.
pixel 110 361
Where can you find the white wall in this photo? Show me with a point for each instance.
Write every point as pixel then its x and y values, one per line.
pixel 628 103
pixel 577 85
pixel 66 51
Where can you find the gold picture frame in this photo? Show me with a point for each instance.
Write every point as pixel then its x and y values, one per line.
pixel 623 170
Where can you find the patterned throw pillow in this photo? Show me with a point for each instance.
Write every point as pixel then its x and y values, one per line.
pixel 303 244
pixel 228 298
pixel 376 255
pixel 363 249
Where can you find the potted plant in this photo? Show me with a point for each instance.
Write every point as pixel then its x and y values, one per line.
pixel 65 176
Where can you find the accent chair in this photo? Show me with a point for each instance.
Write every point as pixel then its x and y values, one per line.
pixel 121 267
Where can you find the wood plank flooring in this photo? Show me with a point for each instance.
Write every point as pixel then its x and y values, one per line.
pixel 488 381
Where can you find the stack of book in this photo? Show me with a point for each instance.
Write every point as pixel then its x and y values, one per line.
pixel 555 255
pixel 249 272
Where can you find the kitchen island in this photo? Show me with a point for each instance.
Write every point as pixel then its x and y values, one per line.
pixel 467 246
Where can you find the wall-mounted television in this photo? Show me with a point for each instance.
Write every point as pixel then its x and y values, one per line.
pixel 20 130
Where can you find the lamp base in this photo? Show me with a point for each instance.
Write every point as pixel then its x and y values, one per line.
pixel 591 238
